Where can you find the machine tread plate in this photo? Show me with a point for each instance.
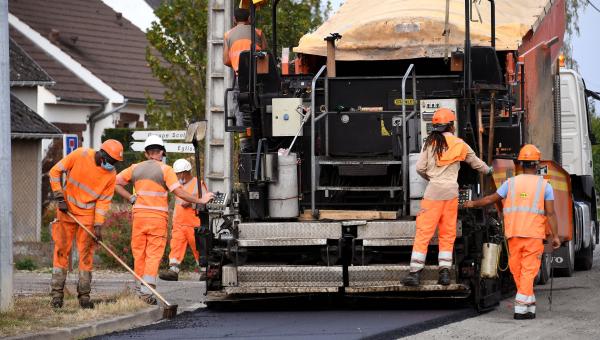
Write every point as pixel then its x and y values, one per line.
pixel 283 242
pixel 388 275
pixel 394 242
pixel 282 276
pixel 300 230
pixel 426 286
pixel 279 290
pixel 393 229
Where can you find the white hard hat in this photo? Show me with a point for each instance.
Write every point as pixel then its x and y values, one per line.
pixel 181 165
pixel 154 140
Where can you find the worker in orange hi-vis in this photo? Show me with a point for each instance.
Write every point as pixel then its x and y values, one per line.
pixel 525 216
pixel 185 221
pixel 152 181
pixel 237 40
pixel 89 185
pixel 439 163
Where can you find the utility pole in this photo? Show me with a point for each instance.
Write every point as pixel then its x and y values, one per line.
pixel 6 255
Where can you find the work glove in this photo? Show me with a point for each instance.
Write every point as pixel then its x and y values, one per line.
pixel 132 199
pixel 98 231
pixel 59 197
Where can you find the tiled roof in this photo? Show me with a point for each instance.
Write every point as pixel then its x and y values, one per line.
pixel 23 70
pixel 26 123
pixel 68 86
pixel 97 37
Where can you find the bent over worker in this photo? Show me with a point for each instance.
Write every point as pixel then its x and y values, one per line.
pixel 185 221
pixel 439 163
pixel 152 181
pixel 88 190
pixel 525 215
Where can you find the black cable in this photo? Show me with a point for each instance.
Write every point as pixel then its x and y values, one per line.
pixel 594 6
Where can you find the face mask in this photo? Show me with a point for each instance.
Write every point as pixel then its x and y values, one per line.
pixel 182 181
pixel 107 166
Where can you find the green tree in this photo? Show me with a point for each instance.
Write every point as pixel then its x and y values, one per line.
pixel 177 57
pixel 177 53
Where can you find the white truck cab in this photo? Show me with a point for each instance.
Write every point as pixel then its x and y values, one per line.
pixel 576 143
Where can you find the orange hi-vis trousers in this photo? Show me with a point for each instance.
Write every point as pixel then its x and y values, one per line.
pixel 441 214
pixel 63 231
pixel 181 237
pixel 525 257
pixel 148 242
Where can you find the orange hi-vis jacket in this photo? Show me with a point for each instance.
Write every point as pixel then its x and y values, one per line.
pixel 238 40
pixel 523 210
pixel 186 216
pixel 89 188
pixel 456 152
pixel 152 181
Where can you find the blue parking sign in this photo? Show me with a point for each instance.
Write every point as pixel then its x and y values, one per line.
pixel 70 143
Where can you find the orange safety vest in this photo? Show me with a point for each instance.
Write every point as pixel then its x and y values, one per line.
pixel 456 152
pixel 238 40
pixel 524 214
pixel 152 181
pixel 186 216
pixel 88 187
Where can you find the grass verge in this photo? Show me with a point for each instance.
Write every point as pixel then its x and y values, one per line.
pixel 33 313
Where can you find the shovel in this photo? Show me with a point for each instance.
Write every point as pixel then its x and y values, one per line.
pixel 169 310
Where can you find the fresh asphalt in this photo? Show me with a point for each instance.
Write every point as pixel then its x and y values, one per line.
pixel 314 319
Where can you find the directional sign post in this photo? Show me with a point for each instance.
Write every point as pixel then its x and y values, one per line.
pixel 165 135
pixel 170 147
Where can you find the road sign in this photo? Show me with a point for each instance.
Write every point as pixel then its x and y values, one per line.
pixel 166 135
pixel 70 143
pixel 170 147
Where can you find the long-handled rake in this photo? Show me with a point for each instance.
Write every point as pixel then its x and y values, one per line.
pixel 169 310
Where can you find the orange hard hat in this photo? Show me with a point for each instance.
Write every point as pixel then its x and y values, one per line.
pixel 443 116
pixel 529 152
pixel 113 148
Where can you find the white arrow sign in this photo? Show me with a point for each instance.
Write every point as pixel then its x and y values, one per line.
pixel 166 135
pixel 171 147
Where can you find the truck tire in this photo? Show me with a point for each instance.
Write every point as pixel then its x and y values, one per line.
pixel 568 272
pixel 584 260
pixel 544 273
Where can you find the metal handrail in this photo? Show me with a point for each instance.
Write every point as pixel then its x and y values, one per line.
pixel 313 158
pixel 404 139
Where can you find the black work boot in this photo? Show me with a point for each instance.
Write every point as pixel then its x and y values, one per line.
pixel 59 276
pixel 84 287
pixel 148 298
pixel 444 278
pixel 169 275
pixel 202 272
pixel 524 316
pixel 412 279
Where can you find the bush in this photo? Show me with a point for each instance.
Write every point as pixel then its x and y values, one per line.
pixel 26 264
pixel 116 233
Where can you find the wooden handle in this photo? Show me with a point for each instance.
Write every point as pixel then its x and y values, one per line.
pixel 112 253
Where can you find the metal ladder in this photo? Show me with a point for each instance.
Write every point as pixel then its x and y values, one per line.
pixel 218 143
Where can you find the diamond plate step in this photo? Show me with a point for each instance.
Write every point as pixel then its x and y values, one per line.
pixel 392 230
pixel 282 276
pixel 389 275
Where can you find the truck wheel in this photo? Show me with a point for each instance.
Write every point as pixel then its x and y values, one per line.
pixel 544 273
pixel 568 272
pixel 585 257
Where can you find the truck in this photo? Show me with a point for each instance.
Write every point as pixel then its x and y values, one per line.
pixel 326 197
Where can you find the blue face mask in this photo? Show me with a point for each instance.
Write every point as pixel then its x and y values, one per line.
pixel 107 166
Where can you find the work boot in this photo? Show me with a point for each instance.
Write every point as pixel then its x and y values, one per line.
pixel 84 287
pixel 444 278
pixel 524 316
pixel 412 279
pixel 59 276
pixel 148 298
pixel 172 274
pixel 202 272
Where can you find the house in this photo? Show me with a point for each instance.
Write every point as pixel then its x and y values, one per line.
pixel 96 58
pixel 28 130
